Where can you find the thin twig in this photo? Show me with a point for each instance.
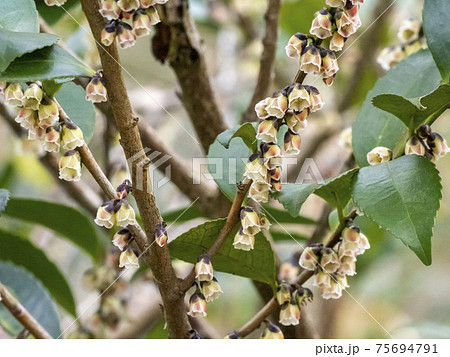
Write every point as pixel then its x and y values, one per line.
pixel 22 315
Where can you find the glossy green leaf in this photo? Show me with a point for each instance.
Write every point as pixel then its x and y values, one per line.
pixel 257 264
pixel 64 220
pixel 52 14
pixel 247 132
pixel 47 63
pixel 281 235
pixel 32 295
pixel 336 191
pixel 227 165
pixel 80 111
pixel 402 196
pixel 22 252
pixel 276 215
pixel 430 106
pixel 436 17
pixel 183 214
pixel 15 44
pixel 415 76
pixel 51 87
pixel 4 197
pixel 19 15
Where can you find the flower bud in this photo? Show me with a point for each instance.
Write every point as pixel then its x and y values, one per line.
pixel 128 259
pixel 302 296
pixel 243 241
pixel 197 305
pixel 390 56
pixel 310 258
pixel 289 313
pixel 409 31
pixel 337 42
pixel 54 2
pixel 106 215
pixel 315 99
pixel 110 9
pixel 259 191
pixel 261 108
pixel 154 16
pixel 203 268
pixel 32 96
pixel 322 279
pixel 347 21
pixel 268 130
pixel 336 3
pixel 272 332
pixel 124 214
pixel 299 98
pixel 250 221
pixel 296 122
pixel 123 189
pixel 329 63
pixel 424 131
pixel 14 94
pixel 347 265
pixel 296 45
pixel 51 139
pixel 36 133
pixel 122 238
pixel 283 293
pixel 329 261
pixel 255 170
pixel 332 291
pixel 363 245
pixel 288 272
pixel 345 138
pixel 379 155
pixel 194 335
pixel 27 118
pixel 414 146
pixel 438 145
pixel 272 155
pixel 125 35
pixel 275 174
pixel 95 90
pixel 70 166
pixel 328 80
pixel 109 33
pixel 321 25
pixel 310 60
pixel 351 237
pixel 48 114
pixel 292 143
pixel 128 5
pixel 211 289
pixel 276 185
pixel 277 105
pixel 161 236
pixel 141 24
pixel 71 136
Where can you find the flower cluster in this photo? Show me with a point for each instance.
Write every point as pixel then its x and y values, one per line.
pixel 410 35
pixel 331 266
pixel 128 19
pixel 427 143
pixel 291 298
pixel 39 114
pixel 251 224
pixel 118 211
pixel 207 287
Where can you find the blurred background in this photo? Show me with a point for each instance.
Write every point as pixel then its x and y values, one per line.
pixel 392 287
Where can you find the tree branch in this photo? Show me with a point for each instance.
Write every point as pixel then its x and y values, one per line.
pixel 267 59
pixel 178 41
pixel 22 315
pixel 158 258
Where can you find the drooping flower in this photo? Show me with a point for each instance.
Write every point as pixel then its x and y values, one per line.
pixel 110 9
pixel 96 90
pixel 243 241
pixel 123 189
pixel 124 214
pixel 277 105
pixel 310 60
pixel 272 155
pixel 379 155
pixel 122 238
pixel 272 331
pixel 106 215
pixel 292 143
pixel 321 25
pixel 296 45
pixel 289 313
pixel 48 113
pixel 390 56
pixel 204 269
pixel 414 147
pixel 299 98
pixel 27 118
pixel 259 191
pixel 161 236
pixel 249 221
pixel 337 42
pixel 310 258
pixel 329 260
pixel 154 16
pixel 128 259
pixel 141 23
pixel 284 293
pixel 315 99
pixel 438 145
pixel 302 296
pixel 211 289
pixel 32 96
pixel 126 36
pixel 197 305
pixel 51 141
pixel 296 122
pixel 13 94
pixel 128 5
pixel 268 130
pixel 70 166
pixel 333 290
pixel 409 30
pixel 71 136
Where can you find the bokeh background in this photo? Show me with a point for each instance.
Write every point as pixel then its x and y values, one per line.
pixel 392 288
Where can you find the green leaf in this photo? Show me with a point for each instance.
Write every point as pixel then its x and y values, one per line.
pixel 430 106
pixel 80 111
pixel 52 14
pixel 19 15
pixel 287 236
pixel 247 132
pixel 402 196
pixel 15 44
pixel 66 221
pixel 276 215
pixel 336 191
pixel 227 165
pixel 4 197
pixel 51 87
pixel 23 253
pixel 436 17
pixel 182 215
pixel 257 264
pixel 47 63
pixel 32 295
pixel 413 77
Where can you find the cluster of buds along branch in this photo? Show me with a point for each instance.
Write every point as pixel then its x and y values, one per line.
pixel 291 298
pixel 207 288
pixel 128 20
pixel 426 143
pixel 331 266
pixel 39 114
pixel 410 35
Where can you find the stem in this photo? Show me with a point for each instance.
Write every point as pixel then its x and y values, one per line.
pixel 22 315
